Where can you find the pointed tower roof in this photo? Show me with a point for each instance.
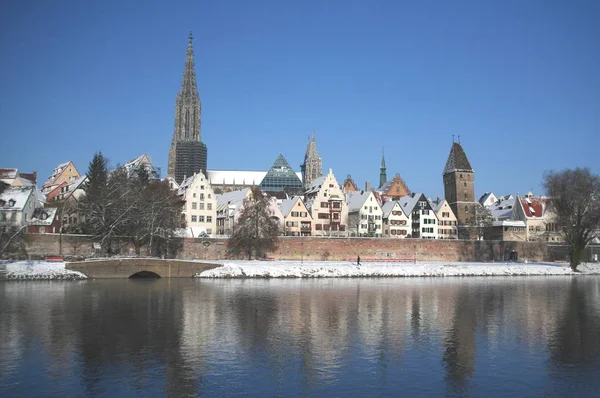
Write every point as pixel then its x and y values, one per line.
pixel 457 160
pixel 382 160
pixel 280 176
pixel 188 83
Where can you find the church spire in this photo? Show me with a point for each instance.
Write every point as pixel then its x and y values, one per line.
pixel 187 153
pixel 382 170
pixel 312 168
pixel 188 83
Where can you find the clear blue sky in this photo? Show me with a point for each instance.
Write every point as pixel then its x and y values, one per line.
pixel 519 81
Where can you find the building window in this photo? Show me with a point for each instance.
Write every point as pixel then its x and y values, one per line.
pixel 201 205
pixel 208 218
pixel 200 218
pixel 201 196
pixel 194 205
pixel 209 206
pixel 194 218
pixel 194 195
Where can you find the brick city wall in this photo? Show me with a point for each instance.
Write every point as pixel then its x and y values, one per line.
pixel 317 249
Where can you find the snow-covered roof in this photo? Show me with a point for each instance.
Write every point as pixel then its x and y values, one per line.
pixel 356 200
pixel 15 198
pixel 388 207
pixel 43 216
pixel 10 174
pixel 233 197
pixel 508 223
pixel 286 205
pixel 240 177
pixel 437 206
pixel 409 202
pixel 142 159
pixel 502 209
pixel 457 160
pixel 487 199
pixel 316 185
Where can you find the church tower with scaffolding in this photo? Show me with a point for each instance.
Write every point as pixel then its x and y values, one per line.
pixel 187 153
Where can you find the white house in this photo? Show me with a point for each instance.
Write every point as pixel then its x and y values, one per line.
pixel 229 206
pixel 396 223
pixel 17 205
pixel 298 221
pixel 325 201
pixel 200 209
pixel 424 220
pixel 365 217
pixel 447 222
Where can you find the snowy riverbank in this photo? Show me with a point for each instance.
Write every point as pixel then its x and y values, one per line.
pixel 45 270
pixel 40 270
pixel 329 269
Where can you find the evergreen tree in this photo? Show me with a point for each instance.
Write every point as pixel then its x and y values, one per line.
pixel 256 231
pixel 97 176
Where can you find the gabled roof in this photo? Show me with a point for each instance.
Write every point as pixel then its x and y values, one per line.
pixel 356 200
pixel 287 205
pixel 186 183
pixel 409 202
pixel 233 197
pixel 316 185
pixel 457 160
pixel 390 183
pixel 43 216
pixel 349 185
pixel 502 208
pixel 389 206
pixel 488 196
pixel 437 206
pixel 533 207
pixel 15 196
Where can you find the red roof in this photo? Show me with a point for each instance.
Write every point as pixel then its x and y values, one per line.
pixel 533 207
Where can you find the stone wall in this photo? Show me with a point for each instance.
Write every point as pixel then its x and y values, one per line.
pixel 317 249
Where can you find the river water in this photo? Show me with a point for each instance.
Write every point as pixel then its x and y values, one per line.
pixel 426 337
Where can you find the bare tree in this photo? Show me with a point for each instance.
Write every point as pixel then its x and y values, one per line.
pixel 575 198
pixel 354 224
pixel 256 232
pixel 483 220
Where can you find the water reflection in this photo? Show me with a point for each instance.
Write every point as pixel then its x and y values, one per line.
pixel 427 337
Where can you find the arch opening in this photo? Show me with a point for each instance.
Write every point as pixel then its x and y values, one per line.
pixel 144 274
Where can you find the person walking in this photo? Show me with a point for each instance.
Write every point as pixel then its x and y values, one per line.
pixel 358 260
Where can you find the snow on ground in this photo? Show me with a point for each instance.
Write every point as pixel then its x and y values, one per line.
pixel 37 270
pixel 328 269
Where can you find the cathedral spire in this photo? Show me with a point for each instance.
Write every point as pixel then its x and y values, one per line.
pixel 188 83
pixel 382 170
pixel 187 154
pixel 312 168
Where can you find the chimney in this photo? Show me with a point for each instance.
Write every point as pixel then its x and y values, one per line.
pixel 367 186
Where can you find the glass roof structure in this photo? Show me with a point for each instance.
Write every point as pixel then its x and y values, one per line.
pixel 280 176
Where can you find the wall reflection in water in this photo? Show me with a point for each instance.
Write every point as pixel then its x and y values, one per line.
pixel 471 336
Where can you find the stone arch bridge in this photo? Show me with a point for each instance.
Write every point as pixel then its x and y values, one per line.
pixel 128 267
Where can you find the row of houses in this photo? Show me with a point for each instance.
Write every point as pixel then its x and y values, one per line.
pixel 326 208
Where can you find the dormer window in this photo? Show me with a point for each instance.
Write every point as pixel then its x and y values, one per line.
pixel 44 216
pixel 11 203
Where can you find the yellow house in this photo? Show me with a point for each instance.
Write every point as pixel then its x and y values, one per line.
pixel 296 217
pixel 447 222
pixel 65 172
